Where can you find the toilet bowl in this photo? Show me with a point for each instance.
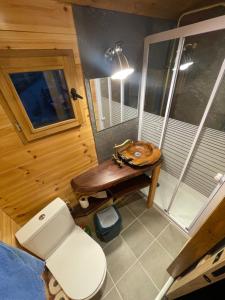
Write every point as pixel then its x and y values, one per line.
pixel 76 261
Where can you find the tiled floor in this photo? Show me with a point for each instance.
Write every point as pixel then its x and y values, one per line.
pixel 138 258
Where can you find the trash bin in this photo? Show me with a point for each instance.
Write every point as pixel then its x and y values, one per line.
pixel 108 223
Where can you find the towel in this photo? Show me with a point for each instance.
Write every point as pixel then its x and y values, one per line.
pixel 20 275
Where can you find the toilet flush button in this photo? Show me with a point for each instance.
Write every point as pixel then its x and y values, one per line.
pixel 41 217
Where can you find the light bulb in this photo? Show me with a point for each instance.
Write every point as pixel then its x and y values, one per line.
pixel 186 65
pixel 122 74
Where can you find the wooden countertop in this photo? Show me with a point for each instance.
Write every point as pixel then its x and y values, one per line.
pixel 106 175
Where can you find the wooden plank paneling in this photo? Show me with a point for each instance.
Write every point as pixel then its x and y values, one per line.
pixel 169 9
pixel 36 16
pixel 29 40
pixel 33 174
pixel 209 234
pixel 7 229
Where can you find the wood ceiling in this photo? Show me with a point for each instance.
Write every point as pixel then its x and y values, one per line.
pixel 168 9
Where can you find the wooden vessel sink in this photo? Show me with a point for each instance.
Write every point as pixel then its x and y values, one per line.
pixel 140 153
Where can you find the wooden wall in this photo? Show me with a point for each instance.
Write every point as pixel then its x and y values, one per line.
pixel 7 229
pixel 32 175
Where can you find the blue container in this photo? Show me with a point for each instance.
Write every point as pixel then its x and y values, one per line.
pixel 108 223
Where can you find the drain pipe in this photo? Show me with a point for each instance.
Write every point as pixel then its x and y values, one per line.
pixel 165 288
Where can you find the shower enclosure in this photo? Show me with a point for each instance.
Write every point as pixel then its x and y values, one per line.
pixel 182 110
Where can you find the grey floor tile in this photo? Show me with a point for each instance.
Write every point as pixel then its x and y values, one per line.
pixel 107 285
pixel 113 295
pixel 101 243
pixel 154 221
pixel 131 197
pixel 172 239
pixel 135 285
pixel 155 261
pixel 137 238
pixel 119 258
pixel 137 204
pixel 126 216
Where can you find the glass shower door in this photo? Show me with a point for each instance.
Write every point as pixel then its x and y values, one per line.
pixel 197 74
pixel 162 58
pixel 159 74
pixel 187 175
pixel 205 170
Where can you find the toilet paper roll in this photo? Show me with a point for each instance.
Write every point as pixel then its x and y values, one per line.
pixel 61 296
pixel 54 287
pixel 84 201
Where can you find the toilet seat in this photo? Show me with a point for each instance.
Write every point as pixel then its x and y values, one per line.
pixel 79 265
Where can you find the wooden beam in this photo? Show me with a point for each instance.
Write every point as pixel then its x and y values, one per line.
pixel 210 233
pixel 153 186
pixel 170 9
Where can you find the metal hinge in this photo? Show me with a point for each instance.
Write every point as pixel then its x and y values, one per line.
pixel 17 125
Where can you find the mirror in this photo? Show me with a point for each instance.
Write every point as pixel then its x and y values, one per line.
pixel 112 102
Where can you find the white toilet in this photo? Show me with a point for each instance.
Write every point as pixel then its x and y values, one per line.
pixel 76 261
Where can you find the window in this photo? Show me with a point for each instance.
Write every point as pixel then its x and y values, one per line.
pixel 37 91
pixel 44 95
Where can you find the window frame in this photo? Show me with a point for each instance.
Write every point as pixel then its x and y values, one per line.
pixel 17 61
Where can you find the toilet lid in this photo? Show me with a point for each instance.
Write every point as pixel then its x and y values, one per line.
pixel 78 264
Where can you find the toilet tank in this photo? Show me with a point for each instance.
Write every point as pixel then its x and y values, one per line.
pixel 46 230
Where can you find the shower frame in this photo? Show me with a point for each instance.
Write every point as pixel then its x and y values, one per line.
pixel 181 33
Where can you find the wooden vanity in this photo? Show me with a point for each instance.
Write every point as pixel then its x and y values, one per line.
pixel 117 181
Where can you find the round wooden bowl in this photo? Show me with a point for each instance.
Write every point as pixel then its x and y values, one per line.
pixel 140 153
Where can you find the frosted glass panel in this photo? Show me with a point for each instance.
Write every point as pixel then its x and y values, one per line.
pixel 208 159
pixel 197 74
pixel 192 91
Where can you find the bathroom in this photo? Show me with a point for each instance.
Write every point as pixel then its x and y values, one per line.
pixel 56 154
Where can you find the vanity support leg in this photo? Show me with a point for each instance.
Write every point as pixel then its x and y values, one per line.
pixel 153 186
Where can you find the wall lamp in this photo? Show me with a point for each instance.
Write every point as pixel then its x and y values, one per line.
pixel 120 65
pixel 187 58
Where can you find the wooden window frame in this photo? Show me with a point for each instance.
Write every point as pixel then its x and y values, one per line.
pixel 15 61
